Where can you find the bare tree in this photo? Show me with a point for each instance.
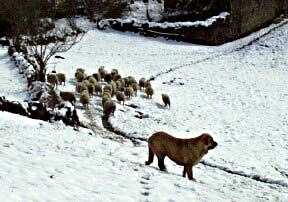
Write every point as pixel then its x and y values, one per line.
pixel 45 46
pixel 34 20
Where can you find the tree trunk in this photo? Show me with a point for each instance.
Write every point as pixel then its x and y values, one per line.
pixel 41 74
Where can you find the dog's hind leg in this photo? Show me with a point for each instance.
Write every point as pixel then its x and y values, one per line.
pixel 150 157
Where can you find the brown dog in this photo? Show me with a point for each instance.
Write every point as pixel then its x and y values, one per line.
pixel 184 152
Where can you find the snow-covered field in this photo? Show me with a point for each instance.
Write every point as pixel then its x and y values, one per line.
pixel 237 94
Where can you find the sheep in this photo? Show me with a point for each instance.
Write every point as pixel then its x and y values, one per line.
pixel 131 80
pixel 120 97
pixel 80 70
pixel 129 92
pixel 68 96
pixel 91 89
pixel 114 72
pixel 93 80
pixel 166 100
pixel 123 82
pixel 52 79
pixel 114 87
pixel 147 84
pixel 86 82
pixel 108 77
pixel 105 98
pixel 97 76
pixel 102 72
pixel 135 88
pixel 61 78
pixel 108 88
pixel 142 83
pixel 107 93
pixel 119 85
pixel 80 87
pixel 85 98
pixel 116 77
pixel 98 89
pixel 109 108
pixel 79 76
pixel 126 81
pixel 149 91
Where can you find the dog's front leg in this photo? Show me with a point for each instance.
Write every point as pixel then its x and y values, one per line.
pixel 189 172
pixel 184 171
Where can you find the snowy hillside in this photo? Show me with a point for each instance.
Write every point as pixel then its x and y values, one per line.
pixel 237 93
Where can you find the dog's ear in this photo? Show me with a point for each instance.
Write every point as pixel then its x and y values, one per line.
pixel 205 138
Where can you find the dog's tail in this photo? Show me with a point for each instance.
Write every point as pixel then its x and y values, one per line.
pixel 150 157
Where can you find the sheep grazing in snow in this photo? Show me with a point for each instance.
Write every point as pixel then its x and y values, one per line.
pixel 102 72
pixel 85 98
pixel 108 88
pixel 93 80
pixel 149 91
pixel 147 84
pixel 166 100
pixel 129 92
pixel 108 77
pixel 105 98
pixel 91 89
pixel 116 77
pixel 120 97
pixel 52 79
pixel 123 82
pixel 68 96
pixel 135 88
pixel 107 93
pixel 114 72
pixel 114 88
pixel 97 76
pixel 131 80
pixel 119 85
pixel 142 83
pixel 80 87
pixel 61 78
pixel 98 89
pixel 126 81
pixel 109 108
pixel 80 70
pixel 80 76
pixel 86 82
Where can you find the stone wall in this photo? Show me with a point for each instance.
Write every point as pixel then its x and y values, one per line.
pixel 251 15
pixel 246 16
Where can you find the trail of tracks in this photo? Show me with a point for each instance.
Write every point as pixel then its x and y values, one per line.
pixel 137 141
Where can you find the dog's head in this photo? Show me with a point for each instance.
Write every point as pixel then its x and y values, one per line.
pixel 208 141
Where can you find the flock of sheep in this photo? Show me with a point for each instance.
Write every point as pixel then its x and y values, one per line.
pixel 105 84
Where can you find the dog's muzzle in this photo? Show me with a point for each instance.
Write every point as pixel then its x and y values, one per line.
pixel 213 145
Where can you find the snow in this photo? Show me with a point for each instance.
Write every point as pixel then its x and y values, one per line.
pixel 237 92
pixel 9 74
pixel 205 23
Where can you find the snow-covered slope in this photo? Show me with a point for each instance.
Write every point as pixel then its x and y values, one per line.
pixel 238 95
pixel 50 162
pixel 9 76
